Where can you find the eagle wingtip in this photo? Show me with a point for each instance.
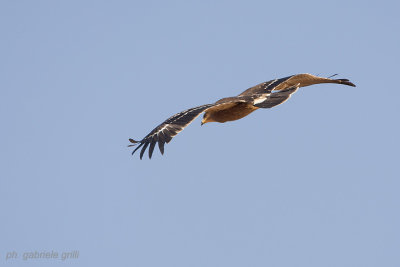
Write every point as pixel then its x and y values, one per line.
pixel 134 143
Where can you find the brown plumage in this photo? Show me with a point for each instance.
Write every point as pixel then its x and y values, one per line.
pixel 263 95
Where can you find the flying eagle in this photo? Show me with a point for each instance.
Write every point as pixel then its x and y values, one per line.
pixel 263 95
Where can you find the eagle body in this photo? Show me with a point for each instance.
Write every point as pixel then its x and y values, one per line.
pixel 228 112
pixel 264 95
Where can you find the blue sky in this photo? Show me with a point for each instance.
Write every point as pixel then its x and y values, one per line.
pixel 312 182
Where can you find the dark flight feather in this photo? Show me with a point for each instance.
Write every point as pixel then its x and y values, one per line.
pixel 277 97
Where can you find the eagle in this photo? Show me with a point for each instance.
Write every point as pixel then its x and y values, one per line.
pixel 264 95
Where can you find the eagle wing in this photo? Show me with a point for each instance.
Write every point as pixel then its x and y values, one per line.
pixel 303 79
pixel 164 132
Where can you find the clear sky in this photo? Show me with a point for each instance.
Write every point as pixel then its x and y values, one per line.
pixel 312 182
